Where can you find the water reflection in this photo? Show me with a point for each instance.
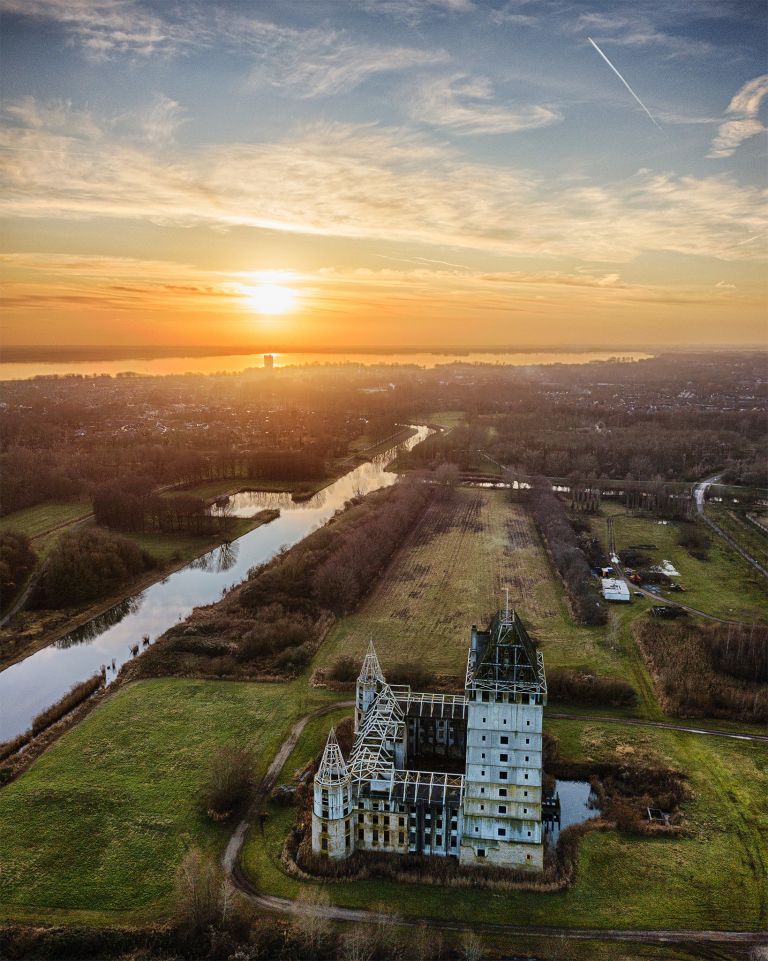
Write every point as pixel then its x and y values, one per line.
pixel 97 625
pixel 221 559
pixel 35 683
pixel 577 804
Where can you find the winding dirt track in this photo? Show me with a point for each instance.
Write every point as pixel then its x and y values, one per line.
pixel 268 902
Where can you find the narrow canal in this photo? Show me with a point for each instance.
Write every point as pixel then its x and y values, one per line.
pixel 31 685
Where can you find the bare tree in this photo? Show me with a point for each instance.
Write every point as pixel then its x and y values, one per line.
pixel 471 947
pixel 358 944
pixel 310 927
pixel 199 888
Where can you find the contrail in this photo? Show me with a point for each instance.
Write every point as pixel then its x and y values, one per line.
pixel 652 118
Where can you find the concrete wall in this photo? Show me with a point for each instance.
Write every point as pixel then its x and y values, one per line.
pixel 502 788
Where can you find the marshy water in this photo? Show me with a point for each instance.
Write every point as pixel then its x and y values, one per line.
pixel 31 685
pixel 576 806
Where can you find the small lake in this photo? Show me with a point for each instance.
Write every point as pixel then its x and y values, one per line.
pixel 31 685
pixel 575 798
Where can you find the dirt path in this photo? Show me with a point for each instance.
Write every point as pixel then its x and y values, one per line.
pixel 665 725
pixel 268 902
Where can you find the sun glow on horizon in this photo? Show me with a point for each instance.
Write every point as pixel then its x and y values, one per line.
pixel 270 298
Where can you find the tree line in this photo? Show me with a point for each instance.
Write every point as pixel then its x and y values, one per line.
pixel 563 546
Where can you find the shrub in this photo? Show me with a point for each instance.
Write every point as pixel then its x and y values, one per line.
pixel 405 672
pixel 695 540
pixel 89 564
pixel 720 670
pixel 344 669
pixel 579 688
pixel 230 781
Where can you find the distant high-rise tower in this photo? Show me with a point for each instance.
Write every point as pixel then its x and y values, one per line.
pixel 269 361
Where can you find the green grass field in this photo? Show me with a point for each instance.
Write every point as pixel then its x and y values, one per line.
pixel 450 574
pixel 725 585
pixel 180 548
pixel 36 521
pixel 101 821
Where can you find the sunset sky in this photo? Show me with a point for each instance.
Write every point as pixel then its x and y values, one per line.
pixel 310 173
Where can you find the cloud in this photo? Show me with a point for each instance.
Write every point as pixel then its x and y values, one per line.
pixel 105 28
pixel 373 182
pixel 414 11
pixel 745 104
pixel 313 63
pixel 638 31
pixel 307 62
pixel 466 105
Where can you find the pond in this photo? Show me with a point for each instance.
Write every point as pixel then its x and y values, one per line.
pixel 31 685
pixel 576 806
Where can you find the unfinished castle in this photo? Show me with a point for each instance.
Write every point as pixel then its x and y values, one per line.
pixel 390 794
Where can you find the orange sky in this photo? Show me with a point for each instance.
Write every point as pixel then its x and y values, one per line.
pixel 408 174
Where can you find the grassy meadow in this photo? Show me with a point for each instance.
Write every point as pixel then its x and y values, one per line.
pixel 100 823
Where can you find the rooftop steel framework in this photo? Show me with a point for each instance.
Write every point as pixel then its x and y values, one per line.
pixel 505 659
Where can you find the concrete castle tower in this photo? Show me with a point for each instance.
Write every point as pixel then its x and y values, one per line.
pixel 369 683
pixel 332 806
pixel 506 692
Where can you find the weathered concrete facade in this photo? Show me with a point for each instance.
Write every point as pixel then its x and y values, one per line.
pixel 486 806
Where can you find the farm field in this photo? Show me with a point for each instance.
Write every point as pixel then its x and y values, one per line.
pixel 451 573
pixel 714 877
pixel 98 825
pixel 725 585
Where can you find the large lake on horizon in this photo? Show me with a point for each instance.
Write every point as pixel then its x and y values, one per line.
pixel 235 363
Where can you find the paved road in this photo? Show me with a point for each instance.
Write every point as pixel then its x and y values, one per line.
pixel 699 493
pixel 268 902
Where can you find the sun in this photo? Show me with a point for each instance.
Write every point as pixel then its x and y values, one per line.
pixel 270 298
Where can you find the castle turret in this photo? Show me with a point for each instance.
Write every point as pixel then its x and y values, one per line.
pixel 369 683
pixel 332 806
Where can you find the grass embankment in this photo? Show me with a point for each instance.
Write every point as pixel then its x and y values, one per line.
pixel 44 523
pixel 725 585
pixel 450 573
pixel 714 877
pixel 97 827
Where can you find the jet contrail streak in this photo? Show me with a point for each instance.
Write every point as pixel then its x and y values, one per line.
pixel 652 118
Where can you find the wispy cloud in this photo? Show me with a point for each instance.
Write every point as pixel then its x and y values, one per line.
pixel 314 63
pixel 414 11
pixel 467 105
pixel 744 107
pixel 366 181
pixel 639 31
pixel 105 28
pixel 308 62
